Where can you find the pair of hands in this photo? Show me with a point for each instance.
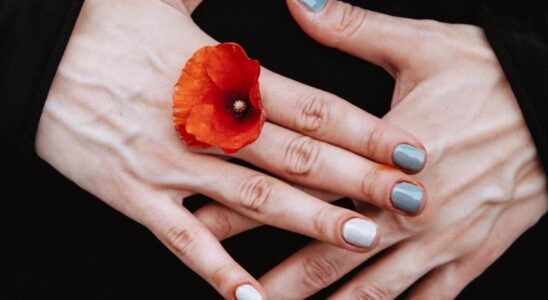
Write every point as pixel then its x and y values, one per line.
pixel 107 126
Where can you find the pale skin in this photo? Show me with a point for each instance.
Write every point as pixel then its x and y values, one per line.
pixel 483 176
pixel 107 126
pixel 485 181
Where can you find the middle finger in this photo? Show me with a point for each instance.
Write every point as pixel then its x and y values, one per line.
pixel 312 163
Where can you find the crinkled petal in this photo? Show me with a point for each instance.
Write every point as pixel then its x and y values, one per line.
pixel 212 126
pixel 193 88
pixel 204 93
pixel 230 68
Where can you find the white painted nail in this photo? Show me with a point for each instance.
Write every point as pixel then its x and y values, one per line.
pixel 359 232
pixel 248 292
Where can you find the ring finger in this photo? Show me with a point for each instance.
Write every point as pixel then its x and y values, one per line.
pixel 271 201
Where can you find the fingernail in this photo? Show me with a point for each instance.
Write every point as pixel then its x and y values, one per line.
pixel 408 157
pixel 359 232
pixel 314 5
pixel 248 292
pixel 407 197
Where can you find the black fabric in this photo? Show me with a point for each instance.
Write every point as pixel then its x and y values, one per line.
pixel 34 36
pixel 58 242
pixel 519 36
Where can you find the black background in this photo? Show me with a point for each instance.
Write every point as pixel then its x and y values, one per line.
pixel 60 242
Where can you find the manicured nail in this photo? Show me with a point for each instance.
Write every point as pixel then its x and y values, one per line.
pixel 359 232
pixel 314 5
pixel 407 197
pixel 248 292
pixel 408 157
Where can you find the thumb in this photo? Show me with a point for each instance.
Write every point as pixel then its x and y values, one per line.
pixel 381 39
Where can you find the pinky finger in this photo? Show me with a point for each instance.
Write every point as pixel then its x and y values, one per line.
pixel 198 248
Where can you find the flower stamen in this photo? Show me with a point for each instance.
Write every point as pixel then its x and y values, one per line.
pixel 239 106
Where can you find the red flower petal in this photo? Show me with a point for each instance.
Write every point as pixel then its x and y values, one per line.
pixel 230 69
pixel 210 83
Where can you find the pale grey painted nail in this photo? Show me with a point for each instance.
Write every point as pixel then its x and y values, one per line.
pixel 314 5
pixel 408 157
pixel 359 232
pixel 248 292
pixel 407 197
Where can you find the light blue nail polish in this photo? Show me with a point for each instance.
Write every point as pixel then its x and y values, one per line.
pixel 408 157
pixel 314 5
pixel 407 197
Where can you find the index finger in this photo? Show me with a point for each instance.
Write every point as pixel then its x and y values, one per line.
pixel 329 118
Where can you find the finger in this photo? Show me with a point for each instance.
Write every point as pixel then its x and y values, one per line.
pixel 318 114
pixel 308 162
pixel 271 201
pixel 193 244
pixel 224 223
pixel 447 281
pixel 384 40
pixel 411 259
pixel 318 265
pixel 309 270
pixel 391 275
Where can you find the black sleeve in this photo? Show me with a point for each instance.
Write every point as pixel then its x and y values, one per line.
pixel 518 33
pixel 34 36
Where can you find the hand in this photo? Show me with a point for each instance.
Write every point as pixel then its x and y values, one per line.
pixel 107 126
pixel 485 182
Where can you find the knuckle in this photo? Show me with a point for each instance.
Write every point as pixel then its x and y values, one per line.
pixel 182 240
pixel 372 140
pixel 313 114
pixel 350 20
pixel 319 273
pixel 319 224
pixel 220 224
pixel 256 192
pixel 301 155
pixel 222 275
pixel 371 292
pixel 370 181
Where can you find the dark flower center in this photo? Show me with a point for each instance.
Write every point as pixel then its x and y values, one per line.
pixel 239 107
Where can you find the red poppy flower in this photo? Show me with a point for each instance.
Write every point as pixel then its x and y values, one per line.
pixel 217 101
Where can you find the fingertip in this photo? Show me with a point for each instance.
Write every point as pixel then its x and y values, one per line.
pixel 392 145
pixel 408 198
pixel 424 201
pixel 409 157
pixel 308 14
pixel 248 291
pixel 313 5
pixel 237 284
pixel 378 38
pixel 360 234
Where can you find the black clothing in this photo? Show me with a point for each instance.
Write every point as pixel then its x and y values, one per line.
pixel 58 241
pixel 518 33
pixel 34 36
